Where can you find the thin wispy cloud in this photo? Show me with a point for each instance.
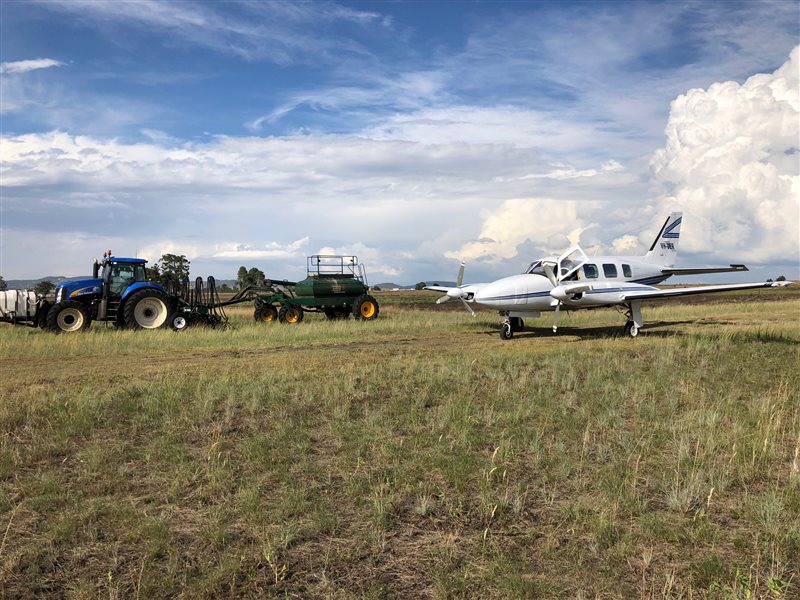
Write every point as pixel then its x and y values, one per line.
pixel 279 32
pixel 24 66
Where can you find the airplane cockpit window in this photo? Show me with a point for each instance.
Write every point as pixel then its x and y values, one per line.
pixel 535 268
pixel 626 271
pixel 590 271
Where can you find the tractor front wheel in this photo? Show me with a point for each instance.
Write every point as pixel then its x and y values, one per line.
pixel 290 314
pixel 365 308
pixel 179 321
pixel 67 317
pixel 147 309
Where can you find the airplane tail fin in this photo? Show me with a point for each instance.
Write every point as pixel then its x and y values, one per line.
pixel 664 249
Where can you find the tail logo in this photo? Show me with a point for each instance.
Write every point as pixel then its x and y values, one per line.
pixel 669 232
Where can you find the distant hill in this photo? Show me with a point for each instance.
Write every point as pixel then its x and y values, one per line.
pixel 397 286
pixel 29 284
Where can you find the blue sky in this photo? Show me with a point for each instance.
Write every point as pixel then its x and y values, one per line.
pixel 411 133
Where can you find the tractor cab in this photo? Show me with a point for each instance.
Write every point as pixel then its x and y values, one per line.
pixel 119 273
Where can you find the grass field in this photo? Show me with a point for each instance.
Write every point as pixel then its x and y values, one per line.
pixel 417 456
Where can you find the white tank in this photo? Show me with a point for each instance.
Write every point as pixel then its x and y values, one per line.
pixel 18 305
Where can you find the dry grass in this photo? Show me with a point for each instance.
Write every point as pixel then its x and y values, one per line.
pixel 416 456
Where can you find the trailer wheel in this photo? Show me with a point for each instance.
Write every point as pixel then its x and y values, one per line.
pixel 147 309
pixel 179 321
pixel 290 314
pixel 365 308
pixel 68 316
pixel 266 314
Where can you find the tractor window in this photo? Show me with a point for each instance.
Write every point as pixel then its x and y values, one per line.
pixel 610 271
pixel 626 270
pixel 122 275
pixel 139 273
pixel 590 271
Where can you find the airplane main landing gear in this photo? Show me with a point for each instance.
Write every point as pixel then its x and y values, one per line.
pixel 631 330
pixel 634 319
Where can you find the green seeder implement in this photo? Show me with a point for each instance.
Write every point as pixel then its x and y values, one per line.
pixel 335 285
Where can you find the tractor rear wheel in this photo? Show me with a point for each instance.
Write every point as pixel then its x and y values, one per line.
pixel 266 314
pixel 68 316
pixel 290 314
pixel 365 308
pixel 147 309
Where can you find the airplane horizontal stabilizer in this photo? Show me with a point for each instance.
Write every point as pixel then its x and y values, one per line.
pixel 704 270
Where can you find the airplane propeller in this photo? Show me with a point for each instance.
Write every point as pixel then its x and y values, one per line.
pixel 456 292
pixel 560 293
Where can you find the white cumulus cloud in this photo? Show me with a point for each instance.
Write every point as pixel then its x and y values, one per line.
pixel 731 164
pixel 544 220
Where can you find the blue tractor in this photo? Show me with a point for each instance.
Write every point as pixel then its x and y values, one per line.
pixel 118 293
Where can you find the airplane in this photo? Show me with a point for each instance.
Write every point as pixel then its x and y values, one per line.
pixel 573 281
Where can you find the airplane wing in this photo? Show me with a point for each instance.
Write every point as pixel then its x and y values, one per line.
pixel 707 289
pixel 439 288
pixel 703 270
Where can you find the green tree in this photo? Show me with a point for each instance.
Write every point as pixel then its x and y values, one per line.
pixel 44 287
pixel 153 273
pixel 241 277
pixel 781 278
pixel 3 284
pixel 252 276
pixel 173 269
pixel 420 286
pixel 256 276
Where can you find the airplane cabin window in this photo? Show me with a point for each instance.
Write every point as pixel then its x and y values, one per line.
pixel 610 271
pixel 590 271
pixel 626 271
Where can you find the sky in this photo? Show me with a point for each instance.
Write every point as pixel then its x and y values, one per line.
pixel 412 134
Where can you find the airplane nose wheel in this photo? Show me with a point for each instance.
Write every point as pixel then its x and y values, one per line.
pixel 506 331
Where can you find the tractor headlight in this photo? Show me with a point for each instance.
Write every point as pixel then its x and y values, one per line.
pixel 59 294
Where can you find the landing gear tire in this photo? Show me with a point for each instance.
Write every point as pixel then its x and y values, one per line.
pixel 148 309
pixel 179 321
pixel 517 324
pixel 506 331
pixel 266 314
pixel 67 317
pixel 631 330
pixel 365 308
pixel 290 314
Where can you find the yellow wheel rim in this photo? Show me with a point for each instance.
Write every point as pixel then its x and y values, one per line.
pixel 292 315
pixel 268 315
pixel 367 309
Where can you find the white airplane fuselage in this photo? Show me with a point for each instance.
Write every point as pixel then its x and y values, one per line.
pixel 530 292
